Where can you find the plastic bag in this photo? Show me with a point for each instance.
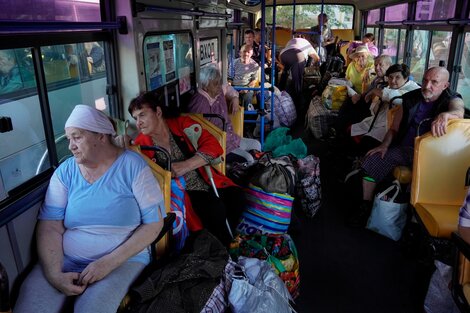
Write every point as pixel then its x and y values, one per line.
pixel 309 184
pixel 439 297
pixel 277 250
pixel 388 218
pixel 265 212
pixel 282 144
pixel 177 205
pixel 256 288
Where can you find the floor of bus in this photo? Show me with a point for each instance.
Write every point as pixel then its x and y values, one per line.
pixel 348 270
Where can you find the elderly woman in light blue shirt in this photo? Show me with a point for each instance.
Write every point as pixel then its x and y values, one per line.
pixel 103 208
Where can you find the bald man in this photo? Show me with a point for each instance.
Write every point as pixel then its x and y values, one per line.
pixel 433 102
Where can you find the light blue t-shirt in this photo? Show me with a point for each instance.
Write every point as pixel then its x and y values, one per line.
pixel 99 217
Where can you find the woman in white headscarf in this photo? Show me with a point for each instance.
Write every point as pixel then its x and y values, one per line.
pixel 103 208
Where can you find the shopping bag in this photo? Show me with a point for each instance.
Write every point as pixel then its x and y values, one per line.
pixel 255 288
pixel 388 217
pixel 177 205
pixel 265 212
pixel 277 250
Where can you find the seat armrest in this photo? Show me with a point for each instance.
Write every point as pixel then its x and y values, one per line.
pixel 167 228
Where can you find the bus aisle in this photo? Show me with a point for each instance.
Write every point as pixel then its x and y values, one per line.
pixel 348 270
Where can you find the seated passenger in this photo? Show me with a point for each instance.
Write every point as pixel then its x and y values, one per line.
pixel 367 40
pixel 211 98
pixel 246 73
pixel 10 78
pixel 355 109
pixel 433 101
pixel 362 65
pixel 373 128
pixel 158 126
pixel 103 208
pixel 294 58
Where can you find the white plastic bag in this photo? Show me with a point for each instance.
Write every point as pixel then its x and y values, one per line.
pixel 388 218
pixel 256 288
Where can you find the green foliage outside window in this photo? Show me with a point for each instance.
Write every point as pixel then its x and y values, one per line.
pixel 340 16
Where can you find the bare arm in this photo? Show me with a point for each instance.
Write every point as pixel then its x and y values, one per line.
pixel 392 131
pixel 142 237
pixel 51 257
pixel 181 168
pixel 456 110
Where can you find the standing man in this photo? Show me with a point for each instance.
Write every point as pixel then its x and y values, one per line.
pixel 323 39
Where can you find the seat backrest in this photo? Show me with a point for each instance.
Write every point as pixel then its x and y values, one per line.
pixel 215 131
pixel 164 179
pixel 391 114
pixel 440 165
pixel 237 120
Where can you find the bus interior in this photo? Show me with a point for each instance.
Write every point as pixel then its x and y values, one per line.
pixel 104 53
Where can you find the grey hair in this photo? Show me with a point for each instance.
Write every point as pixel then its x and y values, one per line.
pixel 384 58
pixel 209 74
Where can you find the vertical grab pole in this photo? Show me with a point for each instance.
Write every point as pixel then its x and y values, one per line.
pixel 263 27
pixel 293 18
pixel 273 59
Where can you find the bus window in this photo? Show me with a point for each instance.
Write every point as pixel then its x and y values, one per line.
pixel 23 145
pixel 339 16
pixel 463 86
pixel 419 53
pixel 10 76
pixel 401 49
pixel 391 42
pixel 435 10
pixel 373 16
pixel 440 48
pixel 24 151
pixel 396 12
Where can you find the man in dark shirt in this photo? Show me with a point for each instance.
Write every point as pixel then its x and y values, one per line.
pixel 250 40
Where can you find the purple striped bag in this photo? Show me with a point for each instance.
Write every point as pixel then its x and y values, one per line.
pixel 265 213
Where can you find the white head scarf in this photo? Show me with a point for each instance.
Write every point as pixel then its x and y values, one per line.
pixel 89 118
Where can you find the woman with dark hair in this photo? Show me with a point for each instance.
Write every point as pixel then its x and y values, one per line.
pixel 372 129
pixel 158 126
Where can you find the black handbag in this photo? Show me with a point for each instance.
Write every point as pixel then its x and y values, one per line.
pixel 277 175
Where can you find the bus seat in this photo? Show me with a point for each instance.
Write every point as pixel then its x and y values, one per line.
pixel 439 175
pixel 460 285
pixel 161 245
pixel 237 120
pixel 283 35
pixel 215 131
pixel 343 34
pixel 164 179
